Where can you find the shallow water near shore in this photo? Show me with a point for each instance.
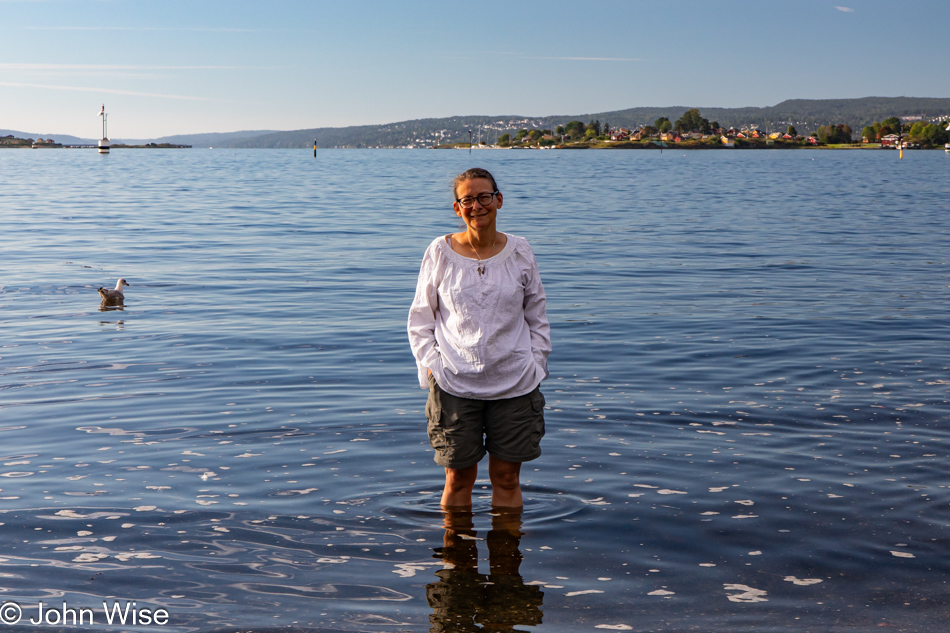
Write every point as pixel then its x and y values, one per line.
pixel 747 414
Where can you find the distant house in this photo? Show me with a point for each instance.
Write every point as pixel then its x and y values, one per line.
pixel 732 132
pixel 787 136
pixel 812 140
pixel 890 140
pixel 775 135
pixel 45 143
pixel 695 135
pixel 728 142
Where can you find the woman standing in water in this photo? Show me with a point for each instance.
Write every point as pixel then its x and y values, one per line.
pixel 480 335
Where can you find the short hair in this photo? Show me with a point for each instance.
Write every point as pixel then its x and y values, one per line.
pixel 472 174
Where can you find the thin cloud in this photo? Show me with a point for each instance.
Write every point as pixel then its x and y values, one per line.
pixel 845 9
pixel 194 29
pixel 110 91
pixel 521 55
pixel 593 59
pixel 18 66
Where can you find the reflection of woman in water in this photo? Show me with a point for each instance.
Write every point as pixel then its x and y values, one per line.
pixel 464 600
pixel 480 335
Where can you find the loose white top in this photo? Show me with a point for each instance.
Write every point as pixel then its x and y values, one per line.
pixel 484 336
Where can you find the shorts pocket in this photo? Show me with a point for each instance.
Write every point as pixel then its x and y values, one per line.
pixel 434 427
pixel 537 401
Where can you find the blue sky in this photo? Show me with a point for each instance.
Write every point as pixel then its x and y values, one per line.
pixel 167 67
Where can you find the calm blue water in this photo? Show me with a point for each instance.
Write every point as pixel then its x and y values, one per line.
pixel 747 423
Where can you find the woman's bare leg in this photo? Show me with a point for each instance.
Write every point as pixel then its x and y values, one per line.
pixel 459 483
pixel 505 483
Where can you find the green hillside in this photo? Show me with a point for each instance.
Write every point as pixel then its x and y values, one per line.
pixel 805 114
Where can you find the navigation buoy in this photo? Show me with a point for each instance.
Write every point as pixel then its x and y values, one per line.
pixel 104 141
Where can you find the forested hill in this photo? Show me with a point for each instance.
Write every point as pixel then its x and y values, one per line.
pixel 419 132
pixel 218 139
pixel 805 114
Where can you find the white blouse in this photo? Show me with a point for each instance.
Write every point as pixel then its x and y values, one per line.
pixel 484 336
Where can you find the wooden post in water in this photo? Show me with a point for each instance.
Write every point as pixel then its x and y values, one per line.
pixel 314 148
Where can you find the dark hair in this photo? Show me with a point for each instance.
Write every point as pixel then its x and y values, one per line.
pixel 472 174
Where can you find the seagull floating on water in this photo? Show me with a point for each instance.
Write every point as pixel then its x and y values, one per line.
pixel 113 296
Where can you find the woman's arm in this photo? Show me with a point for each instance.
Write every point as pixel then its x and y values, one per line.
pixel 535 315
pixel 422 319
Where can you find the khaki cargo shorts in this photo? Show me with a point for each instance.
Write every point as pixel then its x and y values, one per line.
pixel 462 430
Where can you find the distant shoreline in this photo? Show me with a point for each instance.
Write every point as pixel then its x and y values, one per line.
pixel 12 142
pixel 623 145
pixel 599 145
pixel 58 146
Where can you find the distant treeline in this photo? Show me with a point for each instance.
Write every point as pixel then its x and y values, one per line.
pixel 807 115
pixel 688 129
pixel 921 132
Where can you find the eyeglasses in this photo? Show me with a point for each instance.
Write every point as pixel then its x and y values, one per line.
pixel 484 199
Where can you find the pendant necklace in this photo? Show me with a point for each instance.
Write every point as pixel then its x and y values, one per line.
pixel 481 264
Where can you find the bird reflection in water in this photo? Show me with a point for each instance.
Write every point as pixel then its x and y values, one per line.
pixel 464 600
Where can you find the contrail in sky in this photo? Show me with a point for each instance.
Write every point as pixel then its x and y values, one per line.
pixel 130 93
pixel 17 66
pixel 593 59
pixel 149 28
